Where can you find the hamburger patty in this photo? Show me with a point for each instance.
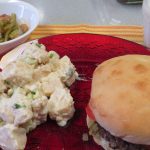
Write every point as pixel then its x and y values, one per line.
pixel 114 142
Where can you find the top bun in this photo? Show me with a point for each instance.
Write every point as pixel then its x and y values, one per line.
pixel 120 97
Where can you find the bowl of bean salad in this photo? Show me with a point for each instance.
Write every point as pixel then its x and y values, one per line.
pixel 17 21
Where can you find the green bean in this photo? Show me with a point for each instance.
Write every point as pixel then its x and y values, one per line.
pixel 13 18
pixel 1 40
pixel 7 35
pixel 5 22
pixel 16 27
pixel 14 34
pixel 9 28
pixel 1 23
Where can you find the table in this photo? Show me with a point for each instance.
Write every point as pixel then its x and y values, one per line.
pixel 89 16
pixel 93 12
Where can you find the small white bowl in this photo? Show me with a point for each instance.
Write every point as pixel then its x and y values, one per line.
pixel 25 13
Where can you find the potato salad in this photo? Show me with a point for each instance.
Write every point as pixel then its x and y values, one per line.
pixel 32 87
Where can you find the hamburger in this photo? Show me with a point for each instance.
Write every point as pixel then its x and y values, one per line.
pixel 118 113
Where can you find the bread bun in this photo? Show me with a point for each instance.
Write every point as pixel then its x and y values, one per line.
pixel 120 97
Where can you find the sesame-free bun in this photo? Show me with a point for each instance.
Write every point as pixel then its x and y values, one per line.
pixel 120 97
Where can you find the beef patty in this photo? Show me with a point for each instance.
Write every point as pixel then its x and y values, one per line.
pixel 115 143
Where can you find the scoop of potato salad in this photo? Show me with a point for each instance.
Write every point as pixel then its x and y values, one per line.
pixel 32 87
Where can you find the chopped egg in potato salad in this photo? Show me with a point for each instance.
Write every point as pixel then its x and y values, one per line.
pixel 32 87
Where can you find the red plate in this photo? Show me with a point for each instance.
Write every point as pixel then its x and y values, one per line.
pixel 85 51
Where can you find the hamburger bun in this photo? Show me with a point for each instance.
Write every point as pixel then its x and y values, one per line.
pixel 120 97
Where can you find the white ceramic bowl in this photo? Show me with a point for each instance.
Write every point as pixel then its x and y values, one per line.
pixel 25 13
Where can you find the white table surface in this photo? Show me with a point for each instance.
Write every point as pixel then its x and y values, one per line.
pixel 95 12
